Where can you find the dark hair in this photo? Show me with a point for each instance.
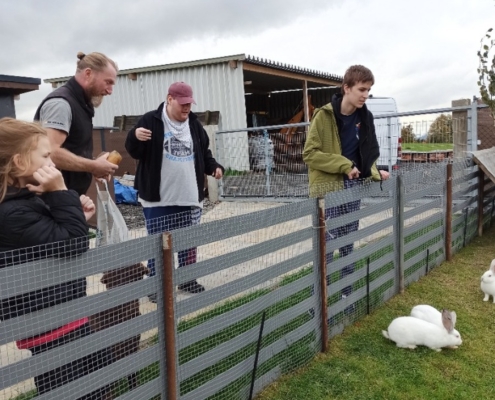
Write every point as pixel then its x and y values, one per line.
pixel 355 74
pixel 95 61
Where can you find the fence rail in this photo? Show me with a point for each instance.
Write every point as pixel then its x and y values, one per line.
pixel 265 265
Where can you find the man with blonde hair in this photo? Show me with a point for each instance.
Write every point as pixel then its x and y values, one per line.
pixel 67 115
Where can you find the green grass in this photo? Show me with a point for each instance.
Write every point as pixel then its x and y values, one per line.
pixel 427 146
pixel 362 364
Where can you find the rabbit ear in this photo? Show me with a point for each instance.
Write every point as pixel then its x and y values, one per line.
pixel 492 266
pixel 453 315
pixel 447 320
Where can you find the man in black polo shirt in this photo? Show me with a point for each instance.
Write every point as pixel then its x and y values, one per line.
pixel 67 115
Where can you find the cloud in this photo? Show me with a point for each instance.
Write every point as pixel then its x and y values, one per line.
pixel 422 53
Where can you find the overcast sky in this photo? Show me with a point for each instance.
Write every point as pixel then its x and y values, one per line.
pixel 422 52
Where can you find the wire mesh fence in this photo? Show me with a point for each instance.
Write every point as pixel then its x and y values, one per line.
pixel 79 327
pixel 264 296
pixel 267 162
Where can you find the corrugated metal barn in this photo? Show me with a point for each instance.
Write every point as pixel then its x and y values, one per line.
pixel 237 86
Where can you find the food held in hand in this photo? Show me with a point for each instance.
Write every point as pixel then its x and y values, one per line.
pixel 114 157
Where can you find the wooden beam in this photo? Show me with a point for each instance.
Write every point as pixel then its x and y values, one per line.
pixel 305 101
pixel 15 86
pixel 287 74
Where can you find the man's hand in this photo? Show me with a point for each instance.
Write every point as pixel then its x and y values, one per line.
pixel 88 206
pixel 143 134
pixel 384 174
pixel 103 168
pixel 354 174
pixel 218 173
pixel 50 179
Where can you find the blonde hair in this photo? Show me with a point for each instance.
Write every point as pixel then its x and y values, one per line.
pixel 16 137
pixel 94 61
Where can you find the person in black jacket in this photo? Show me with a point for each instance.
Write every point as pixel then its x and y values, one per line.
pixel 40 219
pixel 173 153
pixel 67 115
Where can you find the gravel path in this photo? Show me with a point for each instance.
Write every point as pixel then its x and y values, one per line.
pixel 133 214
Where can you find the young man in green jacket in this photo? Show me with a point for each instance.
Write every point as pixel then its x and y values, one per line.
pixel 341 150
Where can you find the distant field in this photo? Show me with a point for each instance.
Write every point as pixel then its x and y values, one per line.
pixel 427 146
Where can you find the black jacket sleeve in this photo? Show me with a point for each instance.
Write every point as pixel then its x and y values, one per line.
pixel 57 230
pixel 135 147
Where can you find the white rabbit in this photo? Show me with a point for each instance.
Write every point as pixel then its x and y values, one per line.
pixel 431 314
pixel 410 332
pixel 488 282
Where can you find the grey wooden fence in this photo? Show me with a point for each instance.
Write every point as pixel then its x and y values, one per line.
pixel 265 310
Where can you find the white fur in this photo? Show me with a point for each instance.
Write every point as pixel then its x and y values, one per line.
pixel 410 332
pixel 431 314
pixel 488 282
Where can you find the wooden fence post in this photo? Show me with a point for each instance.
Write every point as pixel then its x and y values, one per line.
pixel 448 214
pixel 481 199
pixel 323 274
pixel 169 316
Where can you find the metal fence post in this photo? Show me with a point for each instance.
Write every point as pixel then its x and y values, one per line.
pixel 323 273
pixel 389 139
pixel 169 317
pixel 448 214
pixel 399 234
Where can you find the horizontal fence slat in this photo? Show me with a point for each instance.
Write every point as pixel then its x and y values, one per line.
pixel 337 286
pixel 92 262
pixel 422 255
pixel 376 283
pixel 146 391
pixel 462 205
pixel 101 377
pixel 361 253
pixel 428 191
pixel 53 317
pixel 368 211
pixel 335 244
pixel 231 317
pixel 423 238
pixel 222 292
pixel 229 347
pixel 342 304
pixel 435 204
pixel 361 191
pixel 49 360
pixel 215 231
pixel 244 367
pixel 216 264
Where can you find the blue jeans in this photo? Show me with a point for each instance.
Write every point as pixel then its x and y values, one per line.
pixel 335 233
pixel 166 219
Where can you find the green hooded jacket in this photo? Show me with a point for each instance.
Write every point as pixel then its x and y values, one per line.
pixel 323 152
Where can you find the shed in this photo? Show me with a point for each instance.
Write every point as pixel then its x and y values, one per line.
pixel 237 86
pixel 10 89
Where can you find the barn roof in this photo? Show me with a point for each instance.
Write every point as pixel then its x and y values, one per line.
pixel 259 73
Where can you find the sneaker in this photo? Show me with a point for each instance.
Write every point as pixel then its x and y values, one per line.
pixel 192 287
